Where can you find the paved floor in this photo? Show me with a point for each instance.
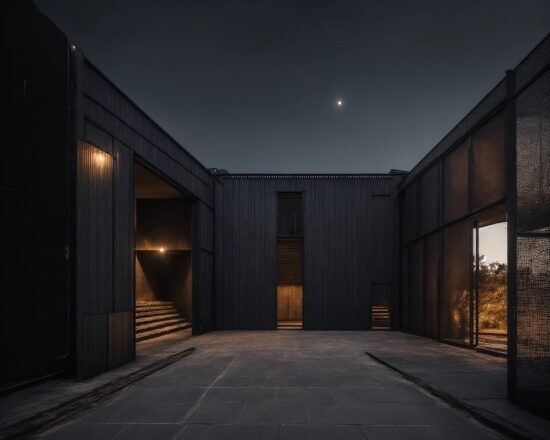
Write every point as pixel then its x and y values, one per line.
pixel 276 385
pixel 27 402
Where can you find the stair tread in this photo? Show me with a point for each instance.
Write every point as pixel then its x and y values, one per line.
pixel 144 313
pixel 156 318
pixel 166 323
pixel 155 307
pixel 153 302
pixel 162 331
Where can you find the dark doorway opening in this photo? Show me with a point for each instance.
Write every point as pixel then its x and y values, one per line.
pixel 290 260
pixel 490 283
pixel 163 257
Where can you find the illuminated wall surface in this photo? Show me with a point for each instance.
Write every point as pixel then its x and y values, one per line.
pixel 438 213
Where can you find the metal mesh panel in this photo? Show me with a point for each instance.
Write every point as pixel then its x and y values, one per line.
pixel 414 284
pixel 455 288
pixel 431 270
pixel 533 318
pixel 533 158
pixel 489 163
pixel 430 200
pixel 455 183
pixel 533 244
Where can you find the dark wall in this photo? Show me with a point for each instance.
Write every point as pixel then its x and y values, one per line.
pixel 104 257
pixel 34 338
pixel 105 119
pixel 348 248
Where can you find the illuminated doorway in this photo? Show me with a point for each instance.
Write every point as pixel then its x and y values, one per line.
pixel 490 284
pixel 290 260
pixel 163 257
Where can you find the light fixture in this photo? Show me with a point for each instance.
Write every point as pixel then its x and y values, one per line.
pixel 161 250
pixel 99 158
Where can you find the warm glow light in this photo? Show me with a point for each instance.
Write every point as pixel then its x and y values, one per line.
pixel 99 158
pixel 161 250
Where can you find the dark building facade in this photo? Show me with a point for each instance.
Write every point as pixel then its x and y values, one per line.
pixel 101 207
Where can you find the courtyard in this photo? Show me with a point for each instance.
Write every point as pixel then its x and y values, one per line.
pixel 302 385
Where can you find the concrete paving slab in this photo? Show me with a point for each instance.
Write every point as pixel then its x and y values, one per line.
pixel 253 385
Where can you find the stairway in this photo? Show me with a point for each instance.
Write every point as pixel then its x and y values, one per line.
pixel 381 318
pixel 157 318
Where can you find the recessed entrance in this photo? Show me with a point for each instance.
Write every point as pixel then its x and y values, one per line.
pixel 163 257
pixel 290 260
pixel 490 284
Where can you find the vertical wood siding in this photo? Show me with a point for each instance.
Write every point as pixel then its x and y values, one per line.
pixel 106 118
pixel 348 246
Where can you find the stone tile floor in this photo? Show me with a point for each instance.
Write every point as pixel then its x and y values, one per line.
pixel 281 385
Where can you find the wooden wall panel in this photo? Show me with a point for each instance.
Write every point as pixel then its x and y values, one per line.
pixel 348 245
pixel 337 271
pixel 124 230
pixel 289 302
pixel 105 117
pixel 105 105
pixel 95 256
pixel 206 292
pixel 290 260
pixel 206 216
pixel 248 267
pixel 219 234
pixel 93 346
pixel 121 344
pixel 94 233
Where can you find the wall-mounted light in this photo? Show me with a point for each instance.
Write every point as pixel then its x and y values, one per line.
pixel 100 158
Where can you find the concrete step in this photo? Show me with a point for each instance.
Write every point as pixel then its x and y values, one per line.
pixel 150 308
pixel 381 318
pixel 155 325
pixel 162 331
pixel 156 318
pixel 153 303
pixel 156 312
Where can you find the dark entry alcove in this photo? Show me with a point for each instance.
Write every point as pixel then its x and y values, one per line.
pixel 163 261
pixel 165 276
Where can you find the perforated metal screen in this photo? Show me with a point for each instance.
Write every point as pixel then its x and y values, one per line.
pixel 455 288
pixel 455 183
pixel 431 272
pixel 533 244
pixel 489 163
pixel 430 187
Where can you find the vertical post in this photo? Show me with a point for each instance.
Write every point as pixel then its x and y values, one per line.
pixel 512 227
pixel 476 286
pixel 76 131
pixel 470 209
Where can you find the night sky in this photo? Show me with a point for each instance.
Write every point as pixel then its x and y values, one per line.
pixel 252 86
